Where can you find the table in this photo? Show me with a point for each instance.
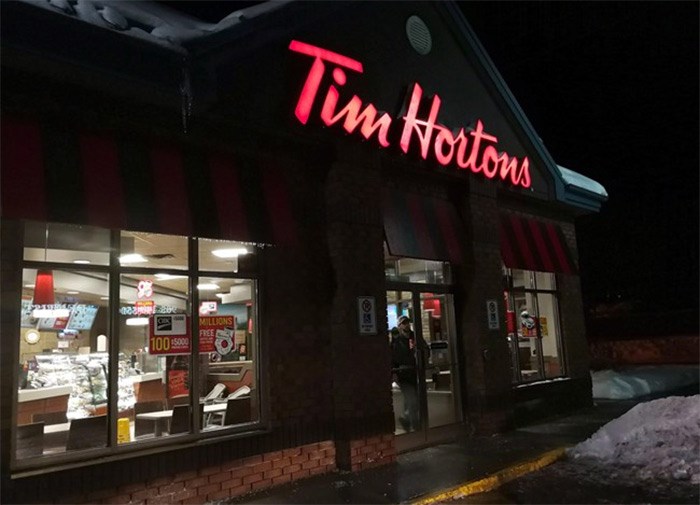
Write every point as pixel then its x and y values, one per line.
pixel 160 416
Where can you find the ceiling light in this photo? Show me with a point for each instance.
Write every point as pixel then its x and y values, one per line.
pixel 72 292
pixel 137 321
pixel 30 285
pixel 104 297
pixel 41 313
pixel 207 286
pixel 128 259
pixel 233 252
pixel 168 277
pixel 81 262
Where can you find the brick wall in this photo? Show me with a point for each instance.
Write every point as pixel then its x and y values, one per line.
pixel 486 356
pixel 372 452
pixel 361 375
pixel 648 351
pixel 220 482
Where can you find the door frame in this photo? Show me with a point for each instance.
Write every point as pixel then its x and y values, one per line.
pixel 430 436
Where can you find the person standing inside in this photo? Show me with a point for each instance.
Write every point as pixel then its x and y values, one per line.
pixel 405 351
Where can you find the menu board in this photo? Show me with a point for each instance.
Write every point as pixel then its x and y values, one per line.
pixel 82 317
pixel 52 323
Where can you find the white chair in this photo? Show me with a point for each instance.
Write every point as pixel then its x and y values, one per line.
pixel 215 393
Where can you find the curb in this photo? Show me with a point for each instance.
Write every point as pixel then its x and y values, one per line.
pixel 494 480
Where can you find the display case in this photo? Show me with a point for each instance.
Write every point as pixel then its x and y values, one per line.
pixel 84 377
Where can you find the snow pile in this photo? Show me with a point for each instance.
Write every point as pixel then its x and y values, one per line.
pixel 659 439
pixel 639 381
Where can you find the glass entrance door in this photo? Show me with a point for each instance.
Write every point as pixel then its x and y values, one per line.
pixel 423 367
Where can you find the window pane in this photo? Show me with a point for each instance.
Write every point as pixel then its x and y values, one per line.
pixel 525 313
pixel 522 279
pixel 227 256
pixel 64 243
pixel 545 280
pixel 415 270
pixel 63 384
pixel 228 358
pixel 158 368
pixel 549 328
pixel 152 250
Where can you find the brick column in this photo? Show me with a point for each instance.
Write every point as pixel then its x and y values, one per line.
pixel 361 363
pixel 488 387
pixel 573 327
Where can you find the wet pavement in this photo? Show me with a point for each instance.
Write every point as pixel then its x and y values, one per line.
pixel 576 482
pixel 419 475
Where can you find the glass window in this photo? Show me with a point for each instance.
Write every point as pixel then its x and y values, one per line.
pixel 65 243
pixel 415 271
pixel 65 358
pixel 532 321
pixel 226 256
pixel 152 250
pixel 63 380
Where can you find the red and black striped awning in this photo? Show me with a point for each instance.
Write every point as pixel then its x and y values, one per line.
pixel 423 227
pixel 528 244
pixel 121 181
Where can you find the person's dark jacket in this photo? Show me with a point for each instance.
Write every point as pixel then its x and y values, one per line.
pixel 403 354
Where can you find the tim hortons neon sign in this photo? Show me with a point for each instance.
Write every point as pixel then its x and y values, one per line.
pixel 469 149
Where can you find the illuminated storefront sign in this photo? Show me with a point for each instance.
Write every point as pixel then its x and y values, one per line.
pixel 469 149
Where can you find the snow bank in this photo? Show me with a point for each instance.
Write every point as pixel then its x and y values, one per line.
pixel 638 381
pixel 656 439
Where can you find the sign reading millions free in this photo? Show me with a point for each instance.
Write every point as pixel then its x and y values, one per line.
pixel 170 333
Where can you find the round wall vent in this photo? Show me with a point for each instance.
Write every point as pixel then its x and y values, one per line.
pixel 418 35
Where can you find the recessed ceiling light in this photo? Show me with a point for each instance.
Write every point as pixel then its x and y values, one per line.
pixel 137 321
pixel 72 292
pixel 128 259
pixel 233 252
pixel 168 277
pixel 30 285
pixel 104 297
pixel 207 286
pixel 81 262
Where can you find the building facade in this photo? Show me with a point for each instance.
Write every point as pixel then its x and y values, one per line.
pixel 208 232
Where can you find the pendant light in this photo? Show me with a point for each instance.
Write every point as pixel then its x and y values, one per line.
pixel 43 287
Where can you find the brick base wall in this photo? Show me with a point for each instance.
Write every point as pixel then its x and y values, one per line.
pixel 370 452
pixel 648 351
pixel 221 482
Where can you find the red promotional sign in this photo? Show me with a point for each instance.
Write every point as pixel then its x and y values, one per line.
pixel 216 334
pixel 468 148
pixel 144 307
pixel 177 383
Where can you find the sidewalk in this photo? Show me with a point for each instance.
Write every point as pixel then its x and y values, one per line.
pixel 466 466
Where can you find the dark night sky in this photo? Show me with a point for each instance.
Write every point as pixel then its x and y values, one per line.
pixel 612 89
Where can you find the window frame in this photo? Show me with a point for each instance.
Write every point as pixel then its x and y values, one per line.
pixel 534 291
pixel 114 451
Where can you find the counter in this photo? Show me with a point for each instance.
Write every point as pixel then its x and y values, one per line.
pixel 30 395
pixel 45 404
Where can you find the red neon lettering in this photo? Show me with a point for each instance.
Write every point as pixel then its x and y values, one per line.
pixel 443 137
pixel 353 114
pixel 411 124
pixel 474 150
pixel 313 79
